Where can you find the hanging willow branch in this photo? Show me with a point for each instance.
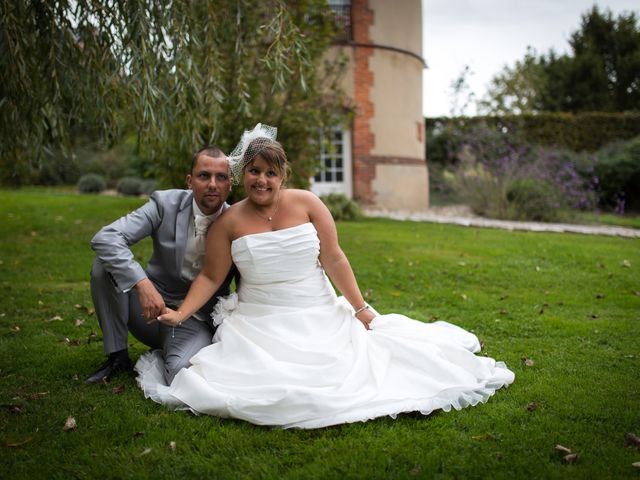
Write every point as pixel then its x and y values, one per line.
pixel 178 74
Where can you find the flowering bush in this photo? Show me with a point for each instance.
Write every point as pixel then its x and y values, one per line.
pixel 502 177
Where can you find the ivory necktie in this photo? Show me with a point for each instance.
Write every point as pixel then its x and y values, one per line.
pixel 201 227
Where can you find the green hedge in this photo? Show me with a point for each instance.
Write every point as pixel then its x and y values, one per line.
pixel 576 132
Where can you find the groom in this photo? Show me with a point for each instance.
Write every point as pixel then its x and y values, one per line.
pixel 126 296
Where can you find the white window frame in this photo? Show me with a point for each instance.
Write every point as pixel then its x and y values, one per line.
pixel 345 186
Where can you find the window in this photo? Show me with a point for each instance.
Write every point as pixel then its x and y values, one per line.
pixel 332 159
pixel 334 169
pixel 342 10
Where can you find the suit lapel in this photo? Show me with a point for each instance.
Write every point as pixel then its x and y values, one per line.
pixel 185 213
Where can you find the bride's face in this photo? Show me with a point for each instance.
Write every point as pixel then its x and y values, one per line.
pixel 262 181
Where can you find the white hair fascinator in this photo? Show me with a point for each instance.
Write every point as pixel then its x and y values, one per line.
pixel 251 144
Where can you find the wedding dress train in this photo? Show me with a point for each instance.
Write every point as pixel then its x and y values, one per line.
pixel 288 352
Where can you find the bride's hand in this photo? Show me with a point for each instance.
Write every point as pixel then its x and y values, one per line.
pixel 172 318
pixel 366 317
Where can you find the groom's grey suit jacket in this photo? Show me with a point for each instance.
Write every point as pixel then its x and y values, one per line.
pixel 165 217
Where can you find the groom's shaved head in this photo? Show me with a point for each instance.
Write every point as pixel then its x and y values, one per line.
pixel 210 151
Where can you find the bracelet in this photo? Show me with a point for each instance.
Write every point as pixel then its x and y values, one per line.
pixel 362 309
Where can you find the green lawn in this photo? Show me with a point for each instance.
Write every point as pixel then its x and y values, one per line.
pixel 568 303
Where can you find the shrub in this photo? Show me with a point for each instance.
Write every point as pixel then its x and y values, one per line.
pixel 498 175
pixel 148 186
pixel 129 186
pixel 533 199
pixel 91 183
pixel 618 172
pixel 341 207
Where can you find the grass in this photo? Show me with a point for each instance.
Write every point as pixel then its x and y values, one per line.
pixel 569 303
pixel 631 220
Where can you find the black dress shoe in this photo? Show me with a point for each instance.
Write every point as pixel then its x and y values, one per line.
pixel 113 366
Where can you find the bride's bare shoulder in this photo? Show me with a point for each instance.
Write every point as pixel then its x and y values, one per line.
pixel 299 195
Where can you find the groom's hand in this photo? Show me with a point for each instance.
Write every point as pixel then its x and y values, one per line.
pixel 151 301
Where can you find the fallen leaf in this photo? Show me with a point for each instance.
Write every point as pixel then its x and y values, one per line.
pixel 15 328
pixel 636 464
pixel 78 306
pixel 79 321
pixel 626 263
pixel 562 449
pixel 532 406
pixel 484 436
pixel 118 389
pixel 464 296
pixel 172 445
pixel 138 434
pixel 146 451
pixel 15 408
pixel 70 424
pixel 18 444
pixel 570 458
pixel 537 269
pixel 73 343
pixel 631 440
pixel 91 311
pixel 36 395
pixel 527 362
pixel 637 293
pixel 504 312
pixel 57 318
pixel 599 295
pixel 395 293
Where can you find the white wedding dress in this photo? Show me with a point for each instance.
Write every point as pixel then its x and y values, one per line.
pixel 288 352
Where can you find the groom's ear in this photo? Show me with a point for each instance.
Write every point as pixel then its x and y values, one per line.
pixel 188 182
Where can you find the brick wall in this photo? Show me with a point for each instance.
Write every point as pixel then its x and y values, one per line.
pixel 362 137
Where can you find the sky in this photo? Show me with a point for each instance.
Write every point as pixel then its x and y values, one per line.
pixel 486 35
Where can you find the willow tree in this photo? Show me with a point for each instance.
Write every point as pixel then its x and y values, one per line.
pixel 177 73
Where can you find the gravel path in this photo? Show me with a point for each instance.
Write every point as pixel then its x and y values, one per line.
pixel 461 215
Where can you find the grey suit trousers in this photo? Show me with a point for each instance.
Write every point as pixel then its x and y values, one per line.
pixel 118 313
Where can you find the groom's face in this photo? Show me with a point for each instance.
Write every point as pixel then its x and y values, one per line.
pixel 210 182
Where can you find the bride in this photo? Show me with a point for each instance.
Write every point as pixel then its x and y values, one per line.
pixel 288 351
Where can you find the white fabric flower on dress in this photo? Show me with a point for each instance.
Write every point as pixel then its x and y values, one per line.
pixel 223 308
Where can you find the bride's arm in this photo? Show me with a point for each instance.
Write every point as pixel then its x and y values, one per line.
pixel 333 259
pixel 217 263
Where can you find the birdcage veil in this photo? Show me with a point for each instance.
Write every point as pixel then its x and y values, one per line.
pixel 251 144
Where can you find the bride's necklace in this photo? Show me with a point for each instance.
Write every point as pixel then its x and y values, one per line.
pixel 270 217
